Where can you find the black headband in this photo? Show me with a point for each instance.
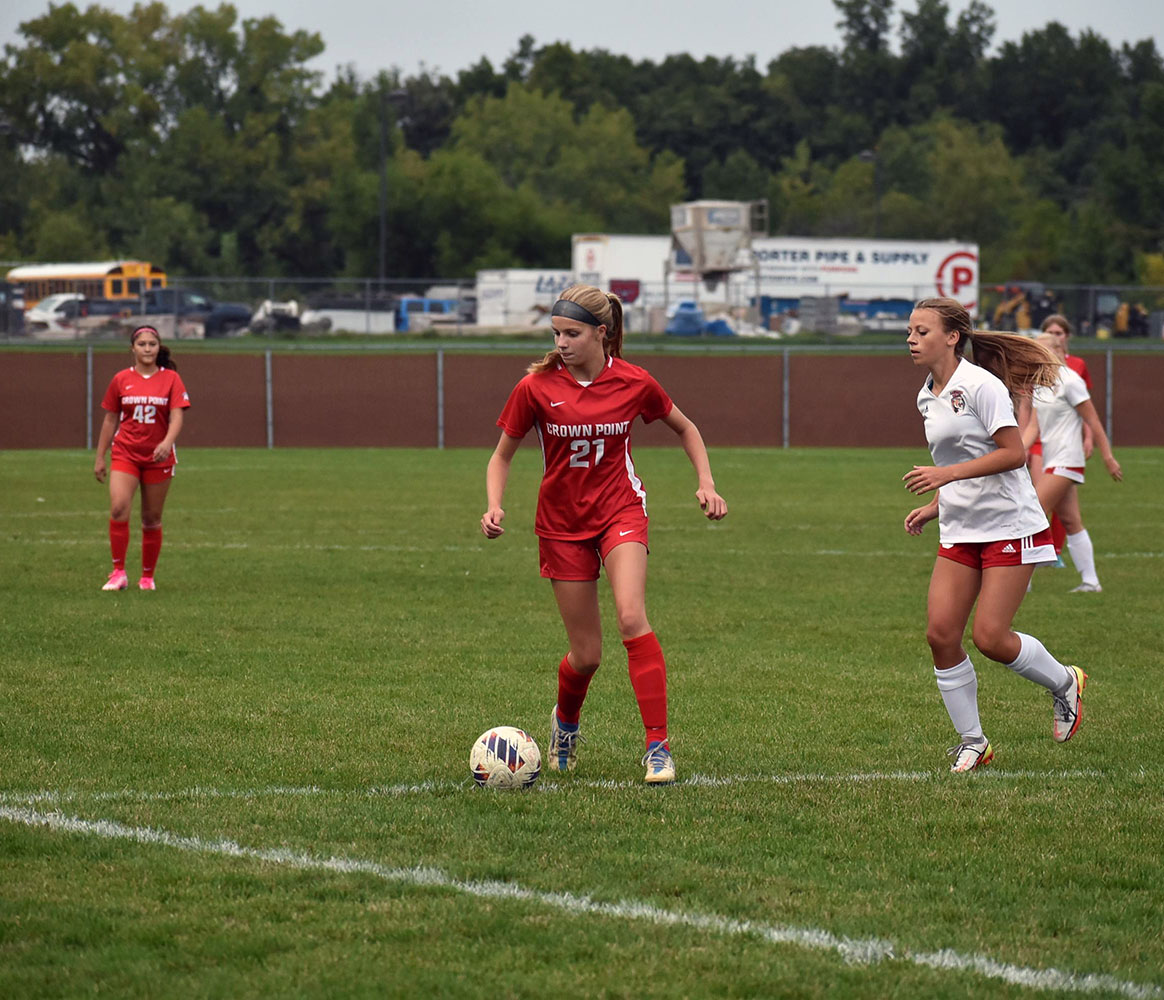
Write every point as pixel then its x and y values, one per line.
pixel 571 310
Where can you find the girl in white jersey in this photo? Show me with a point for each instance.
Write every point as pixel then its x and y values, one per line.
pixel 992 530
pixel 1060 414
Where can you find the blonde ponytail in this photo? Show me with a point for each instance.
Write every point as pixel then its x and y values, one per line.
pixel 1018 362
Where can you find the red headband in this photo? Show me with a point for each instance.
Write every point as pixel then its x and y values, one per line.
pixel 143 329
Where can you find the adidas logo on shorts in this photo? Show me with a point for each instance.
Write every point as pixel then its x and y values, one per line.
pixel 1008 548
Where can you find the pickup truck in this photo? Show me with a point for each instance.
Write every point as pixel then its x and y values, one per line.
pixel 218 318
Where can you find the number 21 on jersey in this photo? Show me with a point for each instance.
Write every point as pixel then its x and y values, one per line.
pixel 581 448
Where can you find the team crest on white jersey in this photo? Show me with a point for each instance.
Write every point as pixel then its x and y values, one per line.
pixel 958 400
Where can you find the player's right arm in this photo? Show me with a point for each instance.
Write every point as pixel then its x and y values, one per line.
pixel 104 440
pixel 496 476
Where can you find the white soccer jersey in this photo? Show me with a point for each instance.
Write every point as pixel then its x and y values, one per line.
pixel 960 424
pixel 1060 425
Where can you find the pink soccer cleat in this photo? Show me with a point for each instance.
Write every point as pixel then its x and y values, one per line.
pixel 117 581
pixel 146 583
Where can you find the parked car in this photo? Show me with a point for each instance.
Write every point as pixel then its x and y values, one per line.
pixel 51 312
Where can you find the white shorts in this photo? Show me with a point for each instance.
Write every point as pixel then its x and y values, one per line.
pixel 1066 472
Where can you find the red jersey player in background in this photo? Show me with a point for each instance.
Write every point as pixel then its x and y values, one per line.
pixel 143 417
pixel 582 398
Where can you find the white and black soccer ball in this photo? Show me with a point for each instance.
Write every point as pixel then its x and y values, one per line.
pixel 505 757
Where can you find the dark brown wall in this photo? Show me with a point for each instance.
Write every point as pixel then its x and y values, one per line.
pixel 1137 411
pixel 733 401
pixel 854 401
pixel 42 400
pixel 363 401
pixel 228 401
pixel 476 388
pixel 378 400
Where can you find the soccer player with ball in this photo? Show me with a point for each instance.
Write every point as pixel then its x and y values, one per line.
pixel 582 398
pixel 992 529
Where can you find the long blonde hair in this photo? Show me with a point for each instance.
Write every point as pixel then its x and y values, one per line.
pixel 1019 362
pixel 606 307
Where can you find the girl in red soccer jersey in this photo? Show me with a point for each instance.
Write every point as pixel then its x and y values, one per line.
pixel 1061 413
pixel 992 530
pixel 582 398
pixel 144 407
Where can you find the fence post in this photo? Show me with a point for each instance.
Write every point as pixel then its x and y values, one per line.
pixel 89 397
pixel 440 394
pixel 786 430
pixel 1109 388
pixel 270 402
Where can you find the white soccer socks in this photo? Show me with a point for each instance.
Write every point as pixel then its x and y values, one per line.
pixel 1036 664
pixel 959 689
pixel 1082 554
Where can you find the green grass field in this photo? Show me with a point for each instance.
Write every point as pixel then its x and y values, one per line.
pixel 254 781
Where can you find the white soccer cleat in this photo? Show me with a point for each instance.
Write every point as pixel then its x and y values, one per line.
pixel 968 756
pixel 1087 588
pixel 660 767
pixel 563 755
pixel 117 581
pixel 1067 708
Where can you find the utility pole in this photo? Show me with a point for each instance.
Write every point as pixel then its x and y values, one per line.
pixel 383 182
pixel 396 99
pixel 870 156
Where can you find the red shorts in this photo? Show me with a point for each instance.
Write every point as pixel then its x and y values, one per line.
pixel 1074 473
pixel 1032 550
pixel 147 472
pixel 581 559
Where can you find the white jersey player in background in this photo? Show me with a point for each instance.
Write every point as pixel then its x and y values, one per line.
pixel 992 530
pixel 1060 413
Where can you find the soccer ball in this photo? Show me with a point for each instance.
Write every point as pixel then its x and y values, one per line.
pixel 505 757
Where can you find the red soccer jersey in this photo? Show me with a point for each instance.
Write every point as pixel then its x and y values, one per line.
pixel 1079 366
pixel 584 432
pixel 144 402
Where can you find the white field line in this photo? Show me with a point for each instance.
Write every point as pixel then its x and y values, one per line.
pixel 858 951
pixel 96 540
pixel 55 797
pixel 100 516
pixel 262 546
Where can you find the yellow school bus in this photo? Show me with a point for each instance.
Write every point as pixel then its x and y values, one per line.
pixel 110 279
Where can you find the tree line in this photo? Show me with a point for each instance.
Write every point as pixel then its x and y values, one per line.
pixel 204 143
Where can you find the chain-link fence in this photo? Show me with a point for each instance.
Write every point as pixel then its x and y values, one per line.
pixel 508 301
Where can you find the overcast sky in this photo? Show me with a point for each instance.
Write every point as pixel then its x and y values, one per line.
pixel 451 35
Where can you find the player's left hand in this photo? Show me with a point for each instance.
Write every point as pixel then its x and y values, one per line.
pixel 162 452
pixel 1114 468
pixel 712 504
pixel 923 478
